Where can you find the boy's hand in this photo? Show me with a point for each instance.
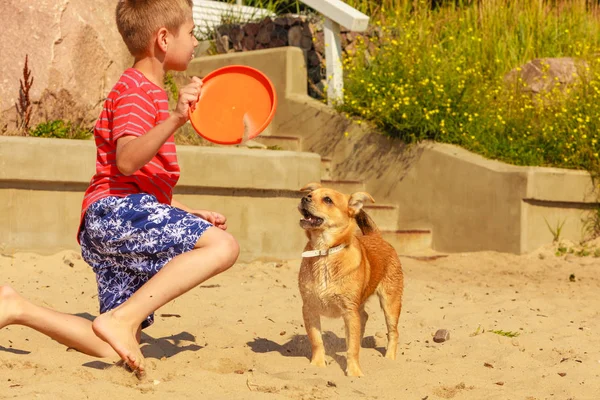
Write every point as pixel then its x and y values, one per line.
pixel 214 218
pixel 188 96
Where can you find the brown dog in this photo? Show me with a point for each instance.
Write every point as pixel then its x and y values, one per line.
pixel 344 262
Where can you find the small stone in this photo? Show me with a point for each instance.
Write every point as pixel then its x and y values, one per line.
pixel 441 336
pixel 562 373
pixel 500 383
pixel 156 382
pixel 331 384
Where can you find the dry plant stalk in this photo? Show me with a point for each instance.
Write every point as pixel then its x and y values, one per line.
pixel 24 105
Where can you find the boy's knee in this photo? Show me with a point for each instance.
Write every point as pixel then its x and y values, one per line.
pixel 223 245
pixel 230 250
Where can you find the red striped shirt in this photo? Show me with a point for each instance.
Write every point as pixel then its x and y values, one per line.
pixel 132 108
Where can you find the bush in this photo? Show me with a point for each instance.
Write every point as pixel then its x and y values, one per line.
pixel 60 129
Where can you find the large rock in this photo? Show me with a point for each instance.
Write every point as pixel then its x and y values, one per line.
pixel 74 49
pixel 543 74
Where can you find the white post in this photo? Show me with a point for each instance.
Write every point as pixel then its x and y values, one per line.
pixel 333 59
pixel 239 2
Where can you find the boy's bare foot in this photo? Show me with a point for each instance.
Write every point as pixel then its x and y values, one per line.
pixel 122 339
pixel 10 306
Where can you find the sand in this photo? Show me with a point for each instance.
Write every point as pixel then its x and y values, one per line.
pixel 241 336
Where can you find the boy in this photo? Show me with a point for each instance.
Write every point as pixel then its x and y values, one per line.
pixel 145 248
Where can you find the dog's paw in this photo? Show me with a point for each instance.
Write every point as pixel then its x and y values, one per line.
pixel 354 370
pixel 318 361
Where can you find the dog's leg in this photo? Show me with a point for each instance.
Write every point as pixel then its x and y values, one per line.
pixel 353 332
pixel 312 323
pixel 364 317
pixel 391 304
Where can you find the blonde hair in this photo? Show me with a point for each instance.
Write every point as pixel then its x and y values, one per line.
pixel 139 20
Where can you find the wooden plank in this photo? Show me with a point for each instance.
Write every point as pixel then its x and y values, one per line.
pixel 340 12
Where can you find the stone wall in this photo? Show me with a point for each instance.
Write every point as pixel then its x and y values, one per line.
pixel 75 55
pixel 305 32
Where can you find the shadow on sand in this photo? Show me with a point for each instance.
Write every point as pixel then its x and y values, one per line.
pixel 299 346
pixel 166 346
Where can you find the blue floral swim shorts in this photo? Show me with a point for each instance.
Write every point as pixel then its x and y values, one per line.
pixel 127 240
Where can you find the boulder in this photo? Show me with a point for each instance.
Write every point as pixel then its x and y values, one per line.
pixel 72 45
pixel 543 74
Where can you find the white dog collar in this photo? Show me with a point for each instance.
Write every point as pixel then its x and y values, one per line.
pixel 318 253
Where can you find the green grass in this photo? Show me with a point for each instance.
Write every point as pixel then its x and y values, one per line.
pixel 61 129
pixel 506 333
pixel 556 231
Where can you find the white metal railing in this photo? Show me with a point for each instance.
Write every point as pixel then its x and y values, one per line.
pixel 336 13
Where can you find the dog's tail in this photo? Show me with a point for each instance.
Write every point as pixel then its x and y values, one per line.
pixel 366 224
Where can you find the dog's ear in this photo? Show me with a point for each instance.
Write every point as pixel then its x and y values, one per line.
pixel 356 202
pixel 310 187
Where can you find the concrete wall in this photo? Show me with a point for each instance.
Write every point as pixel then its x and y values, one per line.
pixel 557 197
pixel 476 204
pixel 42 183
pixel 468 202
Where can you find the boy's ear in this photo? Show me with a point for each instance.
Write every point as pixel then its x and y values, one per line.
pixel 162 38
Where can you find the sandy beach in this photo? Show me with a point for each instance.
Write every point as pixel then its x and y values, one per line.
pixel 241 335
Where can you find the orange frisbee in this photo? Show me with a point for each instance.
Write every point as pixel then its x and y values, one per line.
pixel 236 103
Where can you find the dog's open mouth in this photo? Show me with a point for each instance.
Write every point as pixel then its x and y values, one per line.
pixel 309 220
